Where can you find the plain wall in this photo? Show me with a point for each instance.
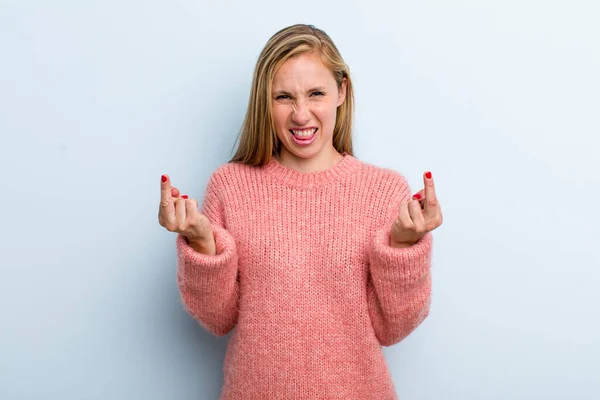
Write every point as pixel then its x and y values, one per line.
pixel 499 99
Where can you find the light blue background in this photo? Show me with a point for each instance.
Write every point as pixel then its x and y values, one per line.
pixel 499 99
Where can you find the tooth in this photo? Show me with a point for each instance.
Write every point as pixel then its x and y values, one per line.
pixel 304 133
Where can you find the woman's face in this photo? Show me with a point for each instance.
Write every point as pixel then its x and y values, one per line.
pixel 305 100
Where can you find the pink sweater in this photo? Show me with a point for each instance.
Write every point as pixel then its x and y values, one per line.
pixel 305 273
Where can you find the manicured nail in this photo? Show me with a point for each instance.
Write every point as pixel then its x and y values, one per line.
pixel 185 196
pixel 428 175
pixel 417 196
pixel 163 178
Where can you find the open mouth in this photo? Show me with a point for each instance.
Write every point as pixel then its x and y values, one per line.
pixel 303 133
pixel 304 136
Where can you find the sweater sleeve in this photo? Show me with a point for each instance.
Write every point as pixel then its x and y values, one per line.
pixel 209 284
pixel 399 282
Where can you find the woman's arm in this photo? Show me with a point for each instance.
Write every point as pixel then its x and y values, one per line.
pixel 208 284
pixel 399 282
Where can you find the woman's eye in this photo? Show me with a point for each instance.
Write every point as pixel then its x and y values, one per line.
pixel 282 97
pixel 318 93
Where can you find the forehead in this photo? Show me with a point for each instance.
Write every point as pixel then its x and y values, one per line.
pixel 302 70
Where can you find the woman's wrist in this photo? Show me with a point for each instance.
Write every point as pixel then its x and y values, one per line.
pixel 204 246
pixel 399 245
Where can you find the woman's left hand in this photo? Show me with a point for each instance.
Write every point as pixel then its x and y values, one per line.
pixel 418 216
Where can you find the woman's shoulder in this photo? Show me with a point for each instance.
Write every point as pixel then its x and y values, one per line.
pixel 228 179
pixel 379 175
pixel 232 170
pixel 367 176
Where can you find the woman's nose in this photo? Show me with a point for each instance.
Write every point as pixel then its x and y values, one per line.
pixel 301 113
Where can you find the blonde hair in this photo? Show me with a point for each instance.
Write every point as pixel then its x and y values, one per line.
pixel 258 141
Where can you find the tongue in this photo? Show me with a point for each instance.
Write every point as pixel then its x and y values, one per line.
pixel 303 137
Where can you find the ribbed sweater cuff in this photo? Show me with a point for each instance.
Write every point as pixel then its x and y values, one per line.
pixel 225 247
pixel 407 265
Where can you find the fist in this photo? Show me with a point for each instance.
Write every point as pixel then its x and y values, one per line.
pixel 418 216
pixel 180 214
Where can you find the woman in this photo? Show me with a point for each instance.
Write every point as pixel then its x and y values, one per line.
pixel 317 258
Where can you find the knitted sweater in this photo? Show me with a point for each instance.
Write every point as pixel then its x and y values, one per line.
pixel 305 273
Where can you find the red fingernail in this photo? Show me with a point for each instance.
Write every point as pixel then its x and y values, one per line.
pixel 417 196
pixel 428 175
pixel 163 178
pixel 185 196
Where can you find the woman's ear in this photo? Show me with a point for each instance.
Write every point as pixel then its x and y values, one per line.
pixel 342 92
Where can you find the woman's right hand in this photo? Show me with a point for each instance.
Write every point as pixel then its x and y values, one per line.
pixel 180 214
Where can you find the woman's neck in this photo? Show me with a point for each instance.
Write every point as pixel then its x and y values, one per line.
pixel 320 162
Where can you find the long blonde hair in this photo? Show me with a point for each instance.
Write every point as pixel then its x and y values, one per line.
pixel 258 141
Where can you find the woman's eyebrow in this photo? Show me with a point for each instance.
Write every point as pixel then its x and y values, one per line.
pixel 278 92
pixel 315 89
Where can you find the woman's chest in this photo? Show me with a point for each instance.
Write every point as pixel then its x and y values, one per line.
pixel 300 235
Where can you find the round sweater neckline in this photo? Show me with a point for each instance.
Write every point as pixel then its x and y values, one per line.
pixel 299 179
